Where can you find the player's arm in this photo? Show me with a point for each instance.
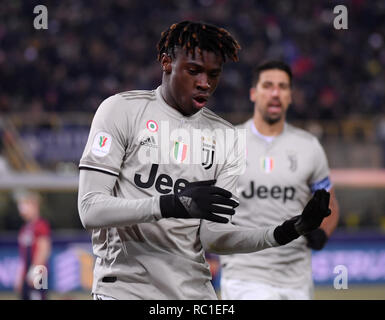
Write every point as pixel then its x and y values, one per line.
pixel 229 239
pixel 43 251
pixel 98 208
pixel 329 224
pixel 111 135
pixel 318 238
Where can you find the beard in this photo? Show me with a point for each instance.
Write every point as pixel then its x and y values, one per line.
pixel 271 119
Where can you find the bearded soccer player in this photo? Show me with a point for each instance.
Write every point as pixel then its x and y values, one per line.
pixel 153 210
pixel 285 166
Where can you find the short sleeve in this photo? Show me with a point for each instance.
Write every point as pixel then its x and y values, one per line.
pixel 107 140
pixel 42 229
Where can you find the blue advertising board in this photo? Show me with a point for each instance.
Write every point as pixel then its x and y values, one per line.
pixel 71 263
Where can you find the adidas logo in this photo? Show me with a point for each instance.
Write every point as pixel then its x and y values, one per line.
pixel 149 141
pixel 186 201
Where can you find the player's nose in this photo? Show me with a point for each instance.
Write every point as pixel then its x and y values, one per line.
pixel 202 82
pixel 275 92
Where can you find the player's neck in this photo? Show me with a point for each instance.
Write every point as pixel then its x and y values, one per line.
pixel 267 129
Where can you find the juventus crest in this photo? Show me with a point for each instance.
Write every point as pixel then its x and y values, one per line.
pixel 208 152
pixel 293 161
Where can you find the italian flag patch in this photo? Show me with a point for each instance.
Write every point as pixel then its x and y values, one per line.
pixel 267 164
pixel 180 151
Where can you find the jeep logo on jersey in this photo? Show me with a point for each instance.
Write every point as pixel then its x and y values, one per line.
pixel 102 144
pixel 163 183
pixel 208 150
pixel 275 192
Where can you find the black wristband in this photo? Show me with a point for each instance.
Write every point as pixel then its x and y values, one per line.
pixel 171 207
pixel 286 232
pixel 167 205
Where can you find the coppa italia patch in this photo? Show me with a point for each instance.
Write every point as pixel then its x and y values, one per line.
pixel 102 144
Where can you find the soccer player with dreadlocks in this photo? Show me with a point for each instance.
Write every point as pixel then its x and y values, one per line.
pixel 153 205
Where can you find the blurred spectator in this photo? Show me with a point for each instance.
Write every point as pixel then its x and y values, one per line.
pixel 381 138
pixel 92 51
pixel 35 247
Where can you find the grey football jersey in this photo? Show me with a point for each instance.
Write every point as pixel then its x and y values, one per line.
pixel 279 180
pixel 152 149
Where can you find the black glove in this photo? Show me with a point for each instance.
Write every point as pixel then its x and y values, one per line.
pixel 316 239
pixel 310 219
pixel 198 200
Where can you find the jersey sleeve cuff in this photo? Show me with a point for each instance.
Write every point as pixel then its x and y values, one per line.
pixel 270 239
pixel 110 171
pixel 156 208
pixel 322 184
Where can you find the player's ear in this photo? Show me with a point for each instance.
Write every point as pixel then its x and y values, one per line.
pixel 165 61
pixel 252 94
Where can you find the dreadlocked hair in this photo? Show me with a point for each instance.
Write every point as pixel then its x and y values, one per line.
pixel 189 35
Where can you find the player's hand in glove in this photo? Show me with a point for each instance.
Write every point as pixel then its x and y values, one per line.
pixel 310 219
pixel 316 239
pixel 200 200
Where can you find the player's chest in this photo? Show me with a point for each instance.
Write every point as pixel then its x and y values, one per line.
pixel 178 142
pixel 277 162
pixel 26 237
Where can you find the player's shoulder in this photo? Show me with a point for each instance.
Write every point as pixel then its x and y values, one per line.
pixel 216 120
pixel 127 101
pixel 42 225
pixel 244 125
pixel 137 95
pixel 43 222
pixel 299 133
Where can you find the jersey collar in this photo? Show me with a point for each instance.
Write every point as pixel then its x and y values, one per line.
pixel 267 139
pixel 173 112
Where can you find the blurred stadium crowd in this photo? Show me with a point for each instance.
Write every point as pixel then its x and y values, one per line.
pixel 92 50
pixel 52 81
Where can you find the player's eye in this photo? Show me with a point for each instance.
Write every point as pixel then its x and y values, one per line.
pixel 193 72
